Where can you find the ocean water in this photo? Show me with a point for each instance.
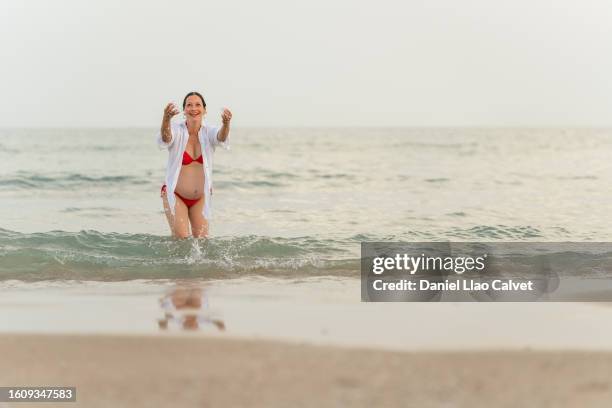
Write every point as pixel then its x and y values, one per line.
pixel 84 203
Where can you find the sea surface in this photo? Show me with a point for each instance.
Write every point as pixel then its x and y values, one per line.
pixel 84 204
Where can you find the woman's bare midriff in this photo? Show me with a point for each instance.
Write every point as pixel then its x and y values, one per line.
pixel 190 182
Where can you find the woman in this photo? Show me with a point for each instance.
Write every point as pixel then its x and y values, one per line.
pixel 188 190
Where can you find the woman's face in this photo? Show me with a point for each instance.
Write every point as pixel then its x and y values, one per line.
pixel 194 110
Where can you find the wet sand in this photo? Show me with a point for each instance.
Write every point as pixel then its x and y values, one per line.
pixel 195 371
pixel 324 312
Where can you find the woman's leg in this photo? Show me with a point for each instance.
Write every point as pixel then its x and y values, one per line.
pixel 199 224
pixel 167 211
pixel 179 222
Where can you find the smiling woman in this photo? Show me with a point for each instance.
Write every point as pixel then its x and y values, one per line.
pixel 190 146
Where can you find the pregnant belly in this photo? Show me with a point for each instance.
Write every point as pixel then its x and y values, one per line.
pixel 191 181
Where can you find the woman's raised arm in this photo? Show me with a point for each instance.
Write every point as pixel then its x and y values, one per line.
pixel 169 112
pixel 226 117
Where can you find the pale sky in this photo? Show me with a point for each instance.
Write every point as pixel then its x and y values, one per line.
pixel 308 63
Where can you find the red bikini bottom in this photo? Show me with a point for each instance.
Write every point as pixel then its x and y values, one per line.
pixel 188 202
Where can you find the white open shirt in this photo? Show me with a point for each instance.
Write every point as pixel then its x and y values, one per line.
pixel 209 142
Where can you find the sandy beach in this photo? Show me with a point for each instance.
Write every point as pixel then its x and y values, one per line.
pixel 309 344
pixel 185 371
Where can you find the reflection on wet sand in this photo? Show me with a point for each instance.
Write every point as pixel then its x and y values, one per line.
pixel 187 308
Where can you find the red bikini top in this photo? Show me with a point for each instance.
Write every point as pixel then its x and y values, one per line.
pixel 188 160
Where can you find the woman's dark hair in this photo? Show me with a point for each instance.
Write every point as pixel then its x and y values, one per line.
pixel 191 94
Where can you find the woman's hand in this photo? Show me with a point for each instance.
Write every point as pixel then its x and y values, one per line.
pixel 170 111
pixel 226 116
